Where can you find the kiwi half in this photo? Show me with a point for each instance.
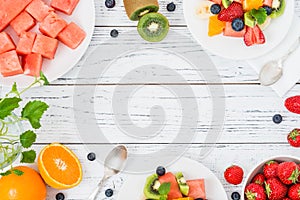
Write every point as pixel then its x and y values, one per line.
pixel 151 187
pixel 135 9
pixel 153 27
pixel 278 7
pixel 183 186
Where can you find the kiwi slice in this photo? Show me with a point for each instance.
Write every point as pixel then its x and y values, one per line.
pixel 183 186
pixel 226 3
pixel 151 187
pixel 249 20
pixel 278 7
pixel 153 27
pixel 135 9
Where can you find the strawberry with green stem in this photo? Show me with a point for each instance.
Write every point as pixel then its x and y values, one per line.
pixel 254 191
pixel 270 169
pixel 294 138
pixel 294 192
pixel 258 179
pixel 275 189
pixel 288 172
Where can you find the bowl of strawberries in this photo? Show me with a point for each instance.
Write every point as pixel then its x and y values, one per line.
pixel 277 178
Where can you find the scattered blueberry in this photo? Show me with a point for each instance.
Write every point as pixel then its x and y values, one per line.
pixel 109 192
pixel 268 9
pixel 160 171
pixel 199 199
pixel 237 24
pixel 277 119
pixel 235 196
pixel 171 7
pixel 60 196
pixel 114 33
pixel 215 9
pixel 110 3
pixel 91 156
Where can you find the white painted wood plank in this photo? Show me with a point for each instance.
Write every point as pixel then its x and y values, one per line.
pixel 249 111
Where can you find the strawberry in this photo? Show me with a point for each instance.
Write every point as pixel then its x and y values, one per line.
pixel 286 198
pixel 234 175
pixel 294 192
pixel 258 179
pixel 235 10
pixel 254 191
pixel 254 36
pixel 288 172
pixel 275 189
pixel 294 138
pixel 270 169
pixel 293 104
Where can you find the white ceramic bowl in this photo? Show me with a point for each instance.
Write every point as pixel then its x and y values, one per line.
pixel 259 168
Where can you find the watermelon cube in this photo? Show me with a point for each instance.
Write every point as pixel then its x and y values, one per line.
pixel 52 25
pixel 197 188
pixel 23 22
pixel 64 6
pixel 38 9
pixel 25 43
pixel 9 9
pixel 10 64
pixel 6 43
pixel 32 64
pixel 174 191
pixel 228 31
pixel 268 3
pixel 72 35
pixel 46 46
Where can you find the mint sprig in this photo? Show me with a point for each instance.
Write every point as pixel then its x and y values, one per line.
pixel 259 15
pixel 164 190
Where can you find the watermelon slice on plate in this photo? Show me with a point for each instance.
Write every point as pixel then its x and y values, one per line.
pixel 174 191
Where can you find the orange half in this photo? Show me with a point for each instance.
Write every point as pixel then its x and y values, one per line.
pixel 59 166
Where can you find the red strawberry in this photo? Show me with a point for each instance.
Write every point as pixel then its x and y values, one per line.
pixel 258 179
pixel 254 36
pixel 286 198
pixel 275 189
pixel 293 104
pixel 235 10
pixel 288 172
pixel 234 175
pixel 254 191
pixel 294 192
pixel 270 169
pixel 294 138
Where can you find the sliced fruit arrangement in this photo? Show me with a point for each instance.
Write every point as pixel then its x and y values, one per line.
pixel 26 56
pixel 173 186
pixel 243 18
pixel 152 26
pixel 276 181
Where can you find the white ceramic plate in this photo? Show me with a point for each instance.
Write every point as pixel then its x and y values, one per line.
pixel 133 184
pixel 234 48
pixel 65 58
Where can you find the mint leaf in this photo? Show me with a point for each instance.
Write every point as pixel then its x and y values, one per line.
pixel 18 172
pixel 164 189
pixel 44 78
pixel 7 105
pixel 28 156
pixel 33 111
pixel 27 139
pixel 5 173
pixel 260 15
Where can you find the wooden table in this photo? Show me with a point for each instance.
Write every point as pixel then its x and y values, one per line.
pixel 249 135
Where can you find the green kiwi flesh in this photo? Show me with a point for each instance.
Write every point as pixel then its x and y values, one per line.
pixel 143 11
pixel 278 7
pixel 183 186
pixel 151 187
pixel 153 27
pixel 226 3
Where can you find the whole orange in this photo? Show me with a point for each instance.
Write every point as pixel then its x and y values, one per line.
pixel 28 186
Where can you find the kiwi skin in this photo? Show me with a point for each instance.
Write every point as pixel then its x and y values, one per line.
pixel 148 190
pixel 153 19
pixel 135 9
pixel 279 11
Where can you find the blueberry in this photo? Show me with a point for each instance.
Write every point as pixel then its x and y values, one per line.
pixel 60 196
pixel 171 7
pixel 237 24
pixel 110 3
pixel 160 171
pixel 114 33
pixel 109 192
pixel 235 196
pixel 215 9
pixel 268 9
pixel 199 199
pixel 277 119
pixel 91 156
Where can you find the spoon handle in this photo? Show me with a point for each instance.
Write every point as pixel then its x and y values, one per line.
pixel 291 50
pixel 97 189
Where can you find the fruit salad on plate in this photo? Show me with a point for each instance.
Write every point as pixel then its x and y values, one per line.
pixel 173 186
pixel 241 18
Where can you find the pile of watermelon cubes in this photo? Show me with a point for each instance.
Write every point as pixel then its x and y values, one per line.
pixel 26 55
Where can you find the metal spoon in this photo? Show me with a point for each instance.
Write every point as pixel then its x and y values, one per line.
pixel 271 72
pixel 113 164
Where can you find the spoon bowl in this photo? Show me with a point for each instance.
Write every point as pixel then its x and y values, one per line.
pixel 271 73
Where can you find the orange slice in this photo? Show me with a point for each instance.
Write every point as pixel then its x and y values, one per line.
pixel 250 4
pixel 59 167
pixel 215 26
